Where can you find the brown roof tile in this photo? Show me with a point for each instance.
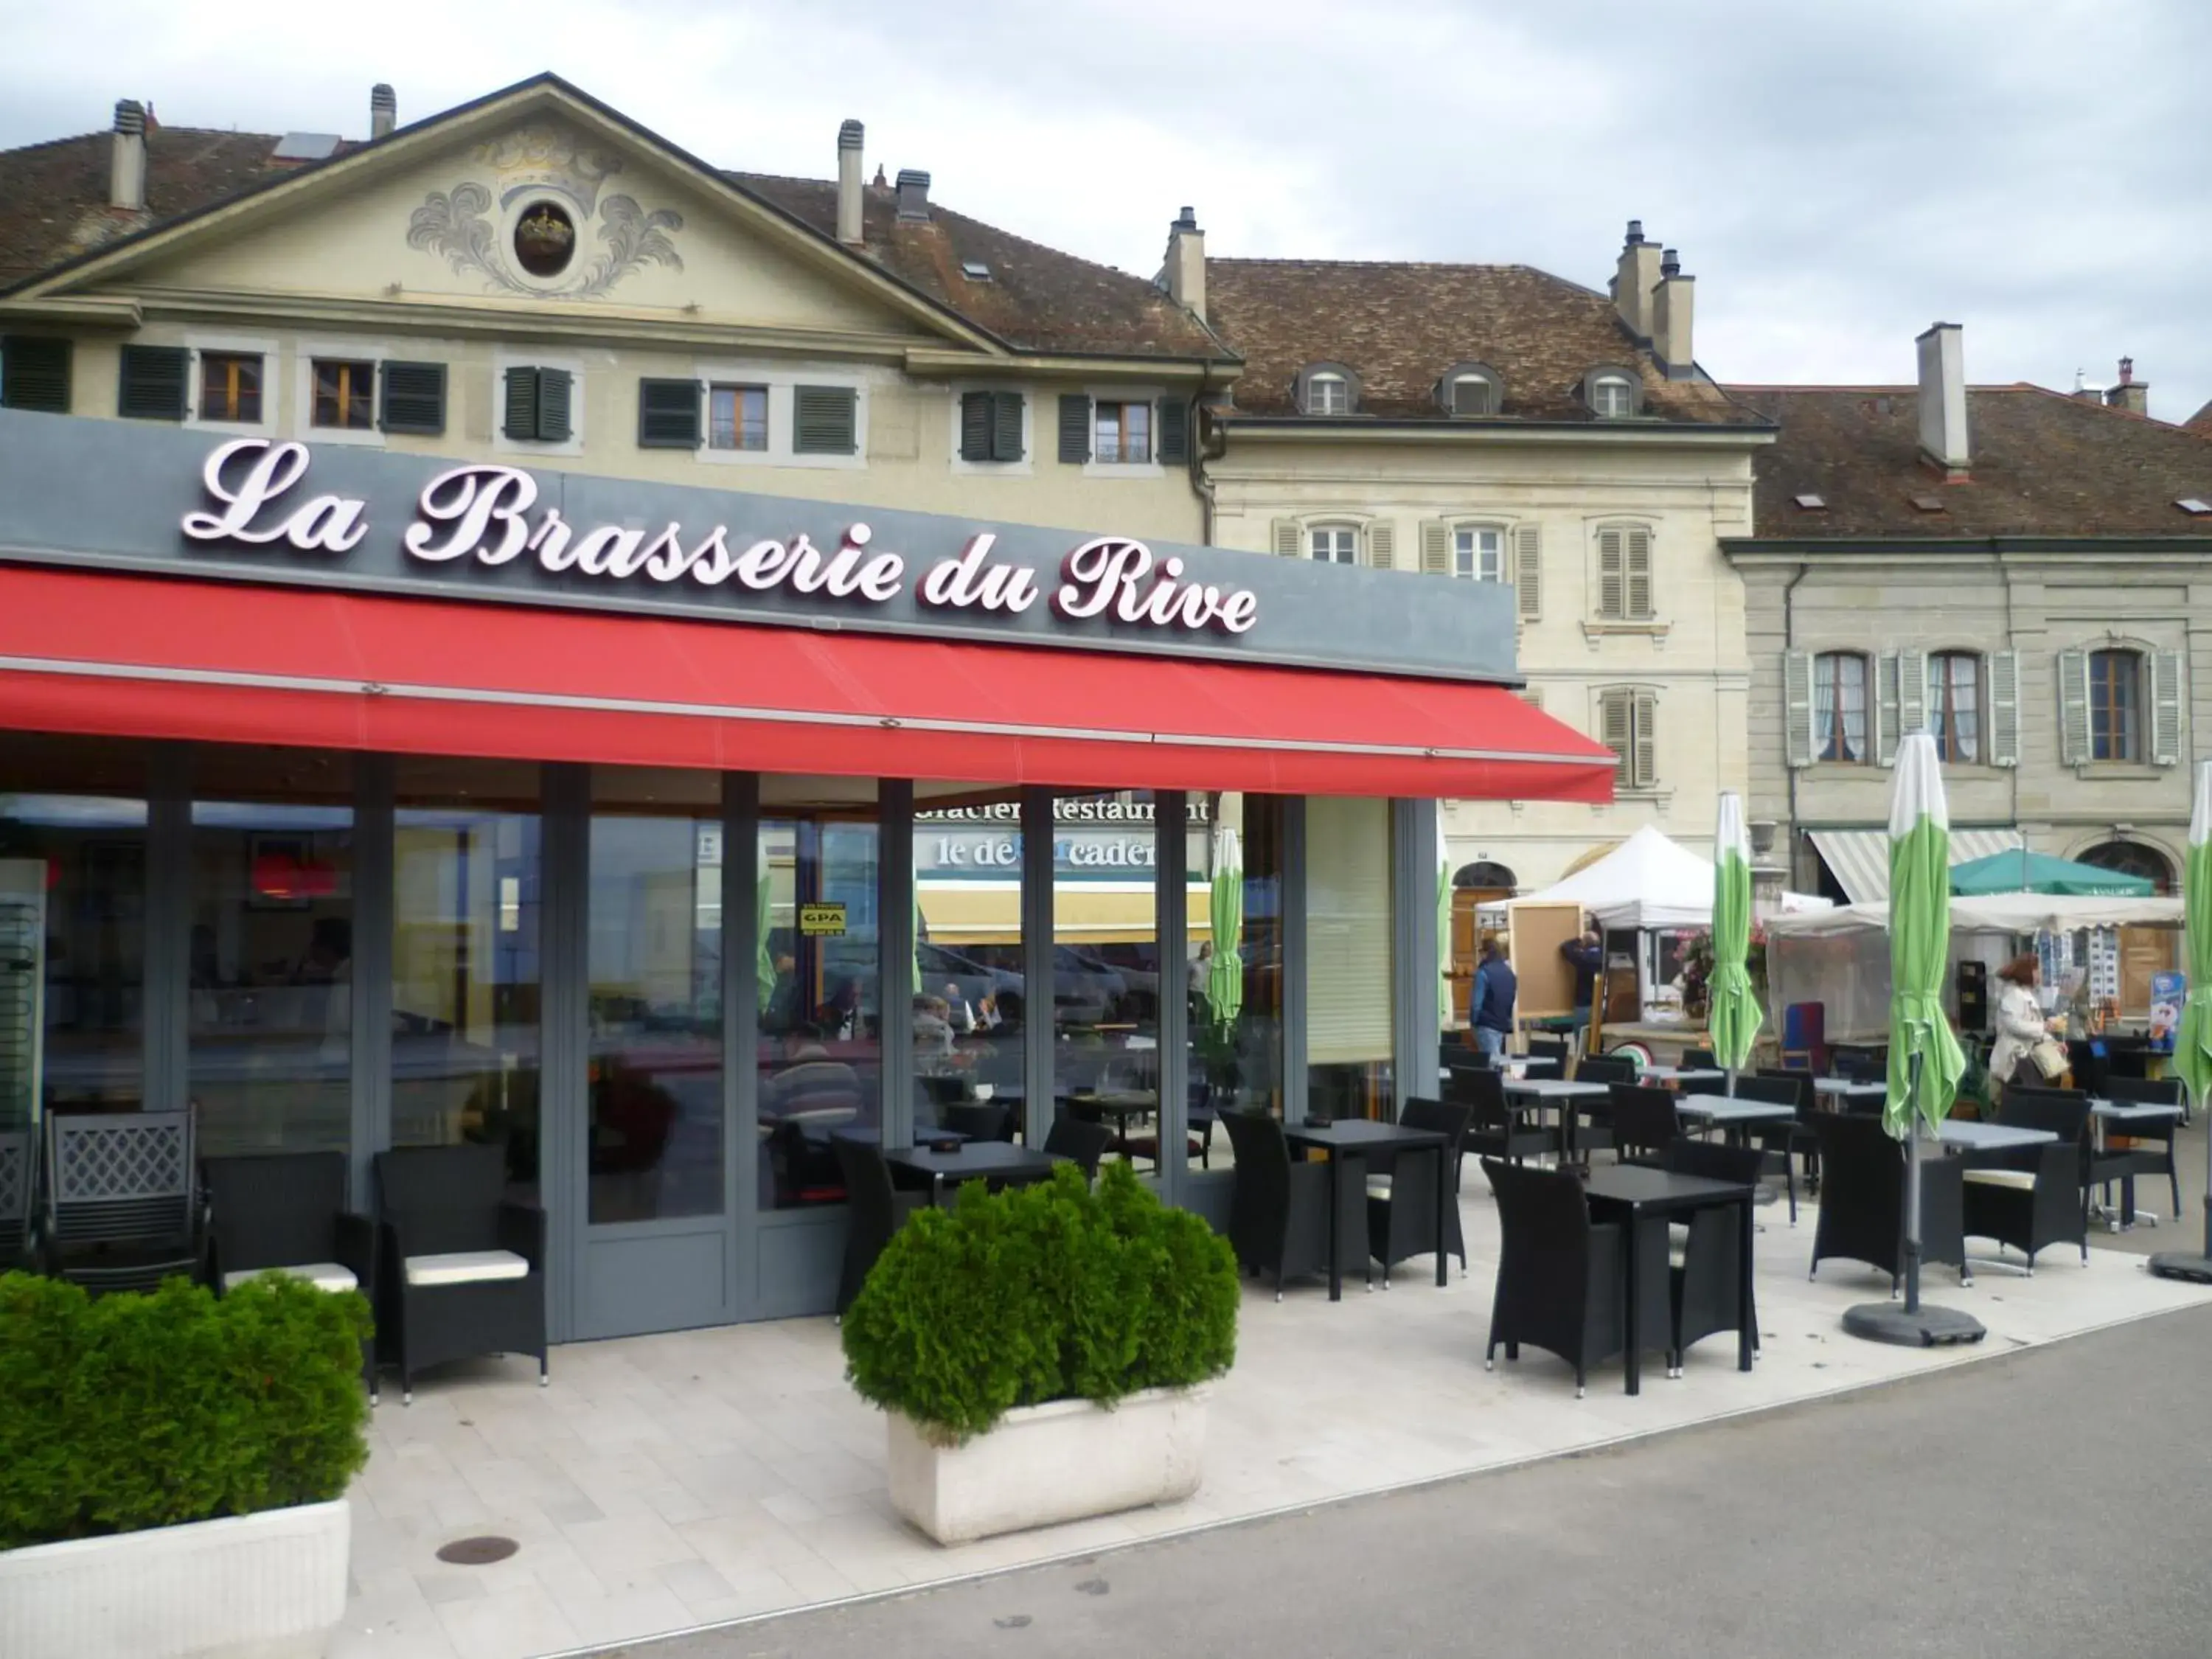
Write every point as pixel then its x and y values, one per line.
pixel 2043 463
pixel 1399 327
pixel 2201 420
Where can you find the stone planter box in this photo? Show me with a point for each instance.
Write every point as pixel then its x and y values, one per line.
pixel 267 1586
pixel 1046 1464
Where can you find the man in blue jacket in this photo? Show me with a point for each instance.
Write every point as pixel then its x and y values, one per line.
pixel 1490 1009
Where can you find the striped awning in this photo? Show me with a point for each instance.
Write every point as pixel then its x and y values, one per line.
pixel 1859 859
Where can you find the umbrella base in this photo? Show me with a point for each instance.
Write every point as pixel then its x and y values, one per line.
pixel 1926 1327
pixel 2180 1264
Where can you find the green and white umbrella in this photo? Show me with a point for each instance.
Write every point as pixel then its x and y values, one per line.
pixel 1735 1014
pixel 1224 969
pixel 1444 925
pixel 764 966
pixel 2192 1043
pixel 1919 943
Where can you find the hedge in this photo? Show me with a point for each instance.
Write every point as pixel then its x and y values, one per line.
pixel 135 1411
pixel 1050 1291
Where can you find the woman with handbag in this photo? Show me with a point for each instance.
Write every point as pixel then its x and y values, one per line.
pixel 2024 1047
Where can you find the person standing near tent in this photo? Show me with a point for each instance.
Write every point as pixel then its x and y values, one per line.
pixel 2020 1026
pixel 1490 1009
pixel 1586 955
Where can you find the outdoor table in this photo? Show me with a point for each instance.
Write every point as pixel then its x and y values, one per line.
pixel 1679 1074
pixel 1350 1141
pixel 2102 1113
pixel 1562 1094
pixel 1967 1135
pixel 1834 1089
pixel 977 1160
pixel 866 1134
pixel 1726 1112
pixel 1121 1105
pixel 1642 1194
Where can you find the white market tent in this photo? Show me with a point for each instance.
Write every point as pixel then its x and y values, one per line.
pixel 1649 881
pixel 1998 913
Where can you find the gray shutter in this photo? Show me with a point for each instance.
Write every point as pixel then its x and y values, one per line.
pixel 1174 445
pixel 1912 692
pixel 1529 570
pixel 1638 561
pixel 824 420
pixel 1075 428
pixel 521 403
pixel 2004 708
pixel 152 382
pixel 35 374
pixel 413 397
pixel 1285 538
pixel 975 426
pixel 1646 751
pixel 555 393
pixel 1883 710
pixel 1611 574
pixel 2165 692
pixel 1797 708
pixel 1382 544
pixel 2074 707
pixel 1615 715
pixel 1435 547
pixel 1006 426
pixel 668 415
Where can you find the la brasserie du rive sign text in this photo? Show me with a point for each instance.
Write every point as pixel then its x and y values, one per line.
pixel 490 515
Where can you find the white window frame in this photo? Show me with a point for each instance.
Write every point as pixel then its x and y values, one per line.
pixel 1467 378
pixel 1334 527
pixel 1328 377
pixel 1936 700
pixel 780 378
pixel 1095 468
pixel 307 353
pixel 1500 532
pixel 707 434
pixel 1023 468
pixel 1870 710
pixel 1600 385
pixel 272 382
pixel 579 403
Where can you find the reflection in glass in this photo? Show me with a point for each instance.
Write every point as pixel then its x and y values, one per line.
pixel 271 973
pixel 1349 1037
pixel 465 956
pixel 1106 970
pixel 1237 965
pixel 656 1008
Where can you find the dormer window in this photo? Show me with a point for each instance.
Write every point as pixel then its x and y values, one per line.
pixel 1470 389
pixel 1613 394
pixel 1326 389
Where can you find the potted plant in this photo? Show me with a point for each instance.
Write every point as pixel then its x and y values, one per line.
pixel 173 1468
pixel 1039 1353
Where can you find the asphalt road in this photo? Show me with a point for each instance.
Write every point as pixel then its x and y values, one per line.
pixel 2050 1502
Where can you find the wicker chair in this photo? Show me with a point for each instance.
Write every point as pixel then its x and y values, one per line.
pixel 1493 1129
pixel 1401 1201
pixel 121 1209
pixel 286 1212
pixel 16 1164
pixel 1705 1274
pixel 2152 1152
pixel 2039 1195
pixel 1071 1137
pixel 875 1210
pixel 1279 1208
pixel 1861 1214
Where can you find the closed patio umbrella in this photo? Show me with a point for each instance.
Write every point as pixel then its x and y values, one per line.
pixel 1925 1061
pixel 1735 1016
pixel 1443 927
pixel 2192 1043
pixel 764 964
pixel 1224 969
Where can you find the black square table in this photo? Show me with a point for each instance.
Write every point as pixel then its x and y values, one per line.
pixel 1350 1141
pixel 979 1160
pixel 1121 1105
pixel 1639 1194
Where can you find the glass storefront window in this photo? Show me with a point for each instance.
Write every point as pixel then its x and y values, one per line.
pixel 1106 968
pixel 467 874
pixel 1349 1042
pixel 1236 1012
pixel 655 964
pixel 270 957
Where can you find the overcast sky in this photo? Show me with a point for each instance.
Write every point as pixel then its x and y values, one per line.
pixel 1836 174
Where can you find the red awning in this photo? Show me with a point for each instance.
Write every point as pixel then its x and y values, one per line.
pixel 226 662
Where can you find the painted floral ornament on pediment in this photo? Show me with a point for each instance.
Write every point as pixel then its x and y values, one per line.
pixel 538 221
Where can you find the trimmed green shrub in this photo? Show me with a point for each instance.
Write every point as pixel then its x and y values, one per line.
pixel 137 1411
pixel 1050 1291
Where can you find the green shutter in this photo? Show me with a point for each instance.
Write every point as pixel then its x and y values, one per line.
pixel 151 386
pixel 413 397
pixel 35 374
pixel 668 415
pixel 1074 427
pixel 1174 444
pixel 824 420
pixel 556 389
pixel 1006 426
pixel 975 426
pixel 521 403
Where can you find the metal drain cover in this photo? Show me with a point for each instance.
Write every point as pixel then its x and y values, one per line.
pixel 477 1552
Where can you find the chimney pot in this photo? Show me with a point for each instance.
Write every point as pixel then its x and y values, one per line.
pixel 1943 399
pixel 126 173
pixel 1670 264
pixel 851 221
pixel 2130 394
pixel 383 109
pixel 2127 370
pixel 912 194
pixel 1635 278
pixel 1635 231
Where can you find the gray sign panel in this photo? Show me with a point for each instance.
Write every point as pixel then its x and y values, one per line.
pixel 138 496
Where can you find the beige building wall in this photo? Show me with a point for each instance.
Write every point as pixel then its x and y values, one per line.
pixel 1688 491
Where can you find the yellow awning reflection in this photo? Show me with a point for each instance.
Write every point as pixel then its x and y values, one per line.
pixel 1103 913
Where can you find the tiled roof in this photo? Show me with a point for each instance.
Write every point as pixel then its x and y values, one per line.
pixel 2201 420
pixel 1399 327
pixel 2041 464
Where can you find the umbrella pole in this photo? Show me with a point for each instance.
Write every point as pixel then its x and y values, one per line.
pixel 1912 1188
pixel 2179 1264
pixel 1912 1326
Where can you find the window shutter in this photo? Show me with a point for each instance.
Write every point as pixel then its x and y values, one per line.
pixel 1349 1002
pixel 1612 574
pixel 413 397
pixel 1646 753
pixel 1638 562
pixel 1382 544
pixel 1173 441
pixel 521 403
pixel 1436 538
pixel 35 374
pixel 152 384
pixel 1006 426
pixel 2074 707
pixel 975 426
pixel 2004 708
pixel 1882 711
pixel 2164 706
pixel 1075 430
pixel 668 415
pixel 1285 537
pixel 1529 570
pixel 1797 708
pixel 1912 692
pixel 1615 715
pixel 824 420
pixel 555 392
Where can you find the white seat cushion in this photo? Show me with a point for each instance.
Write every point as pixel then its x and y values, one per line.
pixel 2020 1181
pixel 323 1275
pixel 466 1267
pixel 1378 1185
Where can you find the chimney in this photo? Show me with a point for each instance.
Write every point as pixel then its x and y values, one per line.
pixel 849 219
pixel 1943 399
pixel 383 110
pixel 912 194
pixel 126 175
pixel 1184 274
pixel 1673 305
pixel 1634 279
pixel 2130 393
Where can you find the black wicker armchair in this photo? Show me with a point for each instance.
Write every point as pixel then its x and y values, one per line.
pixel 2038 1196
pixel 122 1203
pixel 1703 1273
pixel 875 1209
pixel 286 1212
pixel 1861 1214
pixel 1279 1208
pixel 1402 1201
